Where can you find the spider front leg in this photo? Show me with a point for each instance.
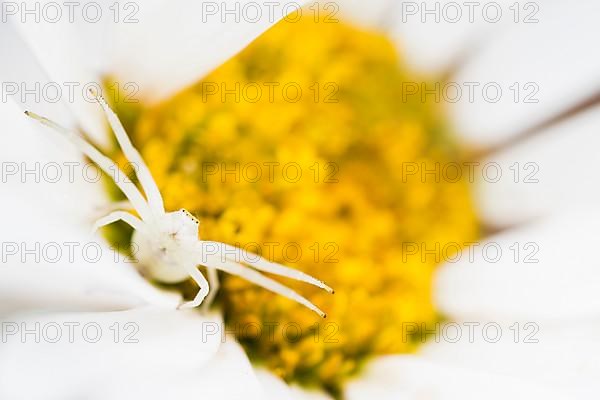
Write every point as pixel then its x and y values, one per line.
pixel 106 164
pixel 115 216
pixel 202 292
pixel 147 182
pixel 114 206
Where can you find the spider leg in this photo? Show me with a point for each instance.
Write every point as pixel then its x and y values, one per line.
pixel 115 216
pixel 213 281
pixel 142 171
pixel 255 261
pixel 202 293
pixel 114 206
pixel 261 280
pixel 106 164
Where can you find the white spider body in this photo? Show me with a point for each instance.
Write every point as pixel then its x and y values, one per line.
pixel 166 244
pixel 166 247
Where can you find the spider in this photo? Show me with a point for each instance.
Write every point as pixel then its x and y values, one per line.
pixel 169 248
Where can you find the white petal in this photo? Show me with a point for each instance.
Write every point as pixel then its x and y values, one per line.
pixel 156 47
pixel 71 55
pixel 544 271
pixel 429 42
pixel 48 263
pixel 94 349
pixel 227 375
pixel 410 377
pixel 42 167
pixel 548 354
pixel 273 387
pixel 373 14
pixel 434 35
pixel 527 53
pixel 552 171
pixel 175 43
pixel 277 389
pixel 22 72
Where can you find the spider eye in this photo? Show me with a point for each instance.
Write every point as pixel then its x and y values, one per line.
pixel 187 213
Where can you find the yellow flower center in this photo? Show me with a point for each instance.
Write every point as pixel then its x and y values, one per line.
pixel 302 148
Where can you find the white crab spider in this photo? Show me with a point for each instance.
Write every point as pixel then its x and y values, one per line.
pixel 169 249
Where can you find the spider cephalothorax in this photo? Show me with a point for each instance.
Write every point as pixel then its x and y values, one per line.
pixel 167 245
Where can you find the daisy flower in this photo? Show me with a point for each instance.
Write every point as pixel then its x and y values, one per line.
pixel 360 172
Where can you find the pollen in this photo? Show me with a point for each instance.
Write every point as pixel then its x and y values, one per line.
pixel 306 149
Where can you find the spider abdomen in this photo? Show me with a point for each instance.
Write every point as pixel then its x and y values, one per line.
pixel 159 260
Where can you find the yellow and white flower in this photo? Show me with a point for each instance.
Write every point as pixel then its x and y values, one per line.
pixel 175 357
